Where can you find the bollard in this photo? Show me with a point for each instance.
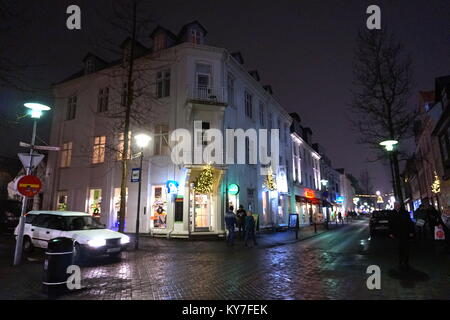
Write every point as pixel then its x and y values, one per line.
pixel 58 258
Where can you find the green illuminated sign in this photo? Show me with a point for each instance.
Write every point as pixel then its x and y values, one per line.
pixel 233 189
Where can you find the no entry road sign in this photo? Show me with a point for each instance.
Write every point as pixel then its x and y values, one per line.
pixel 29 186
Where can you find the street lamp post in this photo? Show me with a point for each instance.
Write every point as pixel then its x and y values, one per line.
pixel 35 111
pixel 389 146
pixel 325 187
pixel 142 141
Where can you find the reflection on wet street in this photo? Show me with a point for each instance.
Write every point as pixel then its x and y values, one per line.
pixel 332 265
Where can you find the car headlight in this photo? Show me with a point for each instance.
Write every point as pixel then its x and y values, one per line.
pixel 125 240
pixel 95 243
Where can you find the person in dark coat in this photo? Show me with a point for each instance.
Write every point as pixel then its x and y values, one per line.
pixel 249 229
pixel 241 213
pixel 433 217
pixel 230 223
pixel 401 228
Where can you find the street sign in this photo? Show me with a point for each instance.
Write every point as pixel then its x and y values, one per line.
pixel 135 174
pixel 29 186
pixel 47 148
pixel 25 159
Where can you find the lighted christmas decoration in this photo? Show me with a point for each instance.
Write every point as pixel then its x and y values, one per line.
pixel 436 186
pixel 204 183
pixel 269 182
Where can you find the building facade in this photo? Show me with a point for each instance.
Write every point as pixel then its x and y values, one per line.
pixel 181 88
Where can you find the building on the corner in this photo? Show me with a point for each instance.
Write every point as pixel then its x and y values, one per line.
pixel 180 82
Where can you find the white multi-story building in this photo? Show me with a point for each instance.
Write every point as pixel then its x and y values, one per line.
pixel 180 83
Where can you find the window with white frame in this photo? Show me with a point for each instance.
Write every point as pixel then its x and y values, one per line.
pixel 248 104
pixel 66 154
pixel 98 155
pixel 261 114
pixel 161 139
pixel 71 108
pixel 230 88
pixel 163 83
pixel 195 36
pixel 103 96
pixel 124 98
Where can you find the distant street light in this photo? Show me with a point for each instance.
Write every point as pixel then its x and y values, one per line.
pixel 142 141
pixel 36 111
pixel 389 146
pixel 378 193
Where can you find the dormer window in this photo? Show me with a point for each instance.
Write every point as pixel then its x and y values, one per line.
pixel 160 42
pixel 126 54
pixel 195 36
pixel 90 66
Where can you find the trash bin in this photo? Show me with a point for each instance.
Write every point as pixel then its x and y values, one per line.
pixel 58 257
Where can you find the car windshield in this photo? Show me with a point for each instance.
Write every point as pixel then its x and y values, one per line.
pixel 82 223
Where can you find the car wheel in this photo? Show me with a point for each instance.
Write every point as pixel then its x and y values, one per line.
pixel 78 255
pixel 27 245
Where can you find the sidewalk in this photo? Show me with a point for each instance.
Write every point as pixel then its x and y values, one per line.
pixel 265 238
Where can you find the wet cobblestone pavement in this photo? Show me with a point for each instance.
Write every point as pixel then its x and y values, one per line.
pixel 331 265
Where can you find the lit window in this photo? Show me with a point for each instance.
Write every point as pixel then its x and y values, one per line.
pixel 66 154
pixel 98 155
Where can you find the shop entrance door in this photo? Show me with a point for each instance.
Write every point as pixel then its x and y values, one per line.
pixel 202 217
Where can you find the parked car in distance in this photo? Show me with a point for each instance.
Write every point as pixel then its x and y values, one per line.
pixel 10 211
pixel 90 237
pixel 379 221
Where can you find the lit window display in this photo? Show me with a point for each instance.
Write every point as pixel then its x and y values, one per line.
pixel 94 203
pixel 159 207
pixel 61 204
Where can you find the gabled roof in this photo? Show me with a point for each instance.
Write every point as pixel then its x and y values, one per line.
pixel 186 26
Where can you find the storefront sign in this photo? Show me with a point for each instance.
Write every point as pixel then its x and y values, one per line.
pixel 309 194
pixel 233 189
pixel 172 187
pixel 340 199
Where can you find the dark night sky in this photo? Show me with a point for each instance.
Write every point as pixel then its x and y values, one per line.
pixel 304 49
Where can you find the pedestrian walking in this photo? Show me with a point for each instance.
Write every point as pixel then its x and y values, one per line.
pixel 230 223
pixel 401 228
pixel 249 229
pixel 420 217
pixel 240 215
pixel 340 217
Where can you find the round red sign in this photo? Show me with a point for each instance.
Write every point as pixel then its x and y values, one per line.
pixel 29 186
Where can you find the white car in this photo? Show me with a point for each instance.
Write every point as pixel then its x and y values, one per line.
pixel 89 236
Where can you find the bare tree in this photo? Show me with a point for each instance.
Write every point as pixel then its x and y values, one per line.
pixel 131 20
pixel 365 181
pixel 379 107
